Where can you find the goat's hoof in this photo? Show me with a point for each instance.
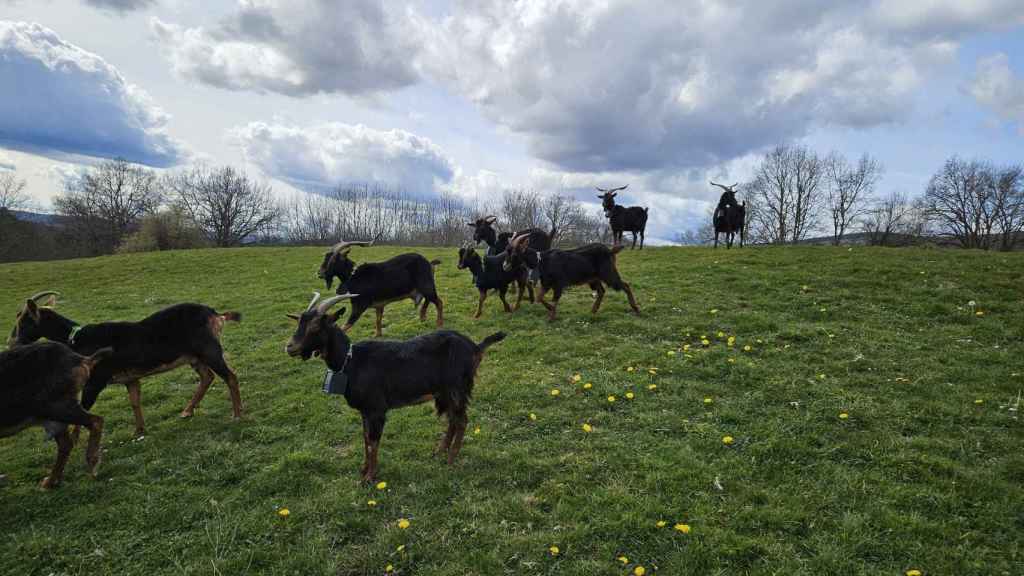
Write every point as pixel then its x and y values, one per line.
pixel 93 465
pixel 186 413
pixel 48 483
pixel 140 433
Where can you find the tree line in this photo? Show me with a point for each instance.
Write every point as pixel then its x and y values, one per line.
pixel 117 206
pixel 796 192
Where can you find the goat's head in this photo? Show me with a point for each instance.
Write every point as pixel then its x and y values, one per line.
pixel 31 322
pixel 483 230
pixel 336 263
pixel 314 325
pixel 607 197
pixel 516 253
pixel 728 194
pixel 466 256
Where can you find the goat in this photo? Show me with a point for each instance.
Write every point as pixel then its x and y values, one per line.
pixel 177 335
pixel 39 386
pixel 622 219
pixel 592 264
pixel 381 283
pixel 379 375
pixel 490 274
pixel 730 217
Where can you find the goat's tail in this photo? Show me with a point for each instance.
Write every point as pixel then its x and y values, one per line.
pixel 232 316
pixel 492 339
pixel 435 262
pixel 98 356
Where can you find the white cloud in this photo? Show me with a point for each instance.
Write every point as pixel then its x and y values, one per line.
pixel 321 156
pixel 997 87
pixel 6 162
pixel 296 47
pixel 121 5
pixel 69 101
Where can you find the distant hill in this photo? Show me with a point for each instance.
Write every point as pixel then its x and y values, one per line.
pixel 38 217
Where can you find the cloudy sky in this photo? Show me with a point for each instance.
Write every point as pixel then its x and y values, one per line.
pixel 477 96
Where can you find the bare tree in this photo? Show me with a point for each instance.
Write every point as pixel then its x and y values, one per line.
pixel 886 218
pixel 226 205
pixel 521 209
pixel 787 191
pixel 960 198
pixel 105 204
pixel 12 191
pixel 849 189
pixel 1008 196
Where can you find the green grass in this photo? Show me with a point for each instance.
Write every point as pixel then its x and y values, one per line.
pixel 919 476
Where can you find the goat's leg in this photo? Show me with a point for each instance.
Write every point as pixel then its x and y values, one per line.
pixel 64 446
pixel 446 438
pixel 374 433
pixel 440 310
pixel 633 247
pixel 353 316
pixel 379 321
pixel 366 447
pixel 459 422
pixel 629 296
pixel 529 288
pixel 641 239
pixel 480 303
pixel 205 380
pixel 135 399
pixel 716 238
pixel 599 289
pixel 553 307
pixel 519 293
pixel 501 294
pixel 220 368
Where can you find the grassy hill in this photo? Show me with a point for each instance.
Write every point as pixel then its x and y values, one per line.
pixel 925 472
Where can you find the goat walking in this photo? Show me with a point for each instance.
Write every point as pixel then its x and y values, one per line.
pixel 622 219
pixel 39 386
pixel 177 335
pixel 489 274
pixel 380 375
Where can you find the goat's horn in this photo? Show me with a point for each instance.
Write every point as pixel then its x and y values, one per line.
pixel 326 304
pixel 490 219
pixel 345 246
pixel 36 297
pixel 316 296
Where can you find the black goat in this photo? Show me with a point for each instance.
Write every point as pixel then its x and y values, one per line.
pixel 490 274
pixel 384 374
pixel 177 335
pixel 483 231
pixel 39 386
pixel 622 219
pixel 381 283
pixel 592 264
pixel 730 217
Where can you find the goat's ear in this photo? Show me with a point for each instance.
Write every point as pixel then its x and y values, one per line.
pixel 332 318
pixel 32 309
pixel 470 223
pixel 293 316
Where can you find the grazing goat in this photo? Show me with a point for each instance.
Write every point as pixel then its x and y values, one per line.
pixel 384 374
pixel 730 217
pixel 622 219
pixel 490 274
pixel 177 335
pixel 39 386
pixel 483 230
pixel 381 283
pixel 592 264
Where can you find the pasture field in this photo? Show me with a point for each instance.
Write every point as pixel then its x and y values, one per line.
pixel 925 472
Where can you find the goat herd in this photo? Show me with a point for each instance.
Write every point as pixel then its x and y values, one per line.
pixel 54 383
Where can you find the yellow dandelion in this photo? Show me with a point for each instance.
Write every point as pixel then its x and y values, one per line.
pixel 623 559
pixel 382 485
pixel 653 371
pixel 629 369
pixel 732 360
pixel 727 440
pixel 979 313
pixel 554 550
pixel 371 503
pixel 476 430
pixel 979 401
pixel 587 428
pixel 611 399
pixel 759 341
pixel 671 353
pixel 805 287
pixel 731 340
pixel 714 310
pixel 639 571
pixel 389 568
pixel 576 378
pixel 629 395
pixel 822 310
pixel 533 416
pixel 588 386
pixel 703 337
pixel 660 524
pixel 283 512
pixel 555 391
pixel 913 573
pixel 686 347
pixel 705 342
pixel 684 528
pixel 403 523
pixel 821 376
pixel 720 334
pixel 400 549
pixel 843 415
pixel 708 401
pixel 652 387
pixel 747 348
